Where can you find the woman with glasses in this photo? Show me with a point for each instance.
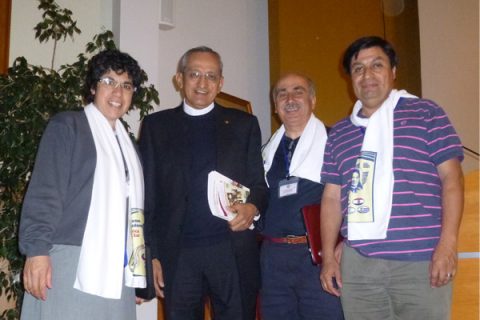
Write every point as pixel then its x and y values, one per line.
pixel 81 225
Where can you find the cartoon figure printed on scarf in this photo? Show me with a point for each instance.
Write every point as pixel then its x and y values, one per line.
pixel 360 204
pixel 137 262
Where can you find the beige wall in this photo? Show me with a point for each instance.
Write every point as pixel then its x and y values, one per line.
pixel 237 29
pixel 92 16
pixel 449 33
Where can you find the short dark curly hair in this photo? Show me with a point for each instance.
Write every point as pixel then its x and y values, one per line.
pixel 365 43
pixel 105 61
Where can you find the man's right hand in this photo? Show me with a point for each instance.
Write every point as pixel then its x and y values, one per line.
pixel 37 276
pixel 331 271
pixel 331 217
pixel 158 278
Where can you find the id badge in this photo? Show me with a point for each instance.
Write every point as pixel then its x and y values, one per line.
pixel 288 187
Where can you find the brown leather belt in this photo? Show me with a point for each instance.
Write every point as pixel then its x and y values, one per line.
pixel 287 239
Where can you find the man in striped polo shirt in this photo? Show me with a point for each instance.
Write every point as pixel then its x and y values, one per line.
pixel 394 189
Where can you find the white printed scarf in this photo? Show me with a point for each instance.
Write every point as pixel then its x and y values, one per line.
pixel 369 207
pixel 109 234
pixel 307 159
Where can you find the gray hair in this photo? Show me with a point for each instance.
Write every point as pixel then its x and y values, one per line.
pixel 182 63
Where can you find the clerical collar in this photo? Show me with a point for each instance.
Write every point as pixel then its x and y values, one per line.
pixel 191 111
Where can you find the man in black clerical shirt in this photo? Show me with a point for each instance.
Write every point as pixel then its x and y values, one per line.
pixel 293 160
pixel 196 254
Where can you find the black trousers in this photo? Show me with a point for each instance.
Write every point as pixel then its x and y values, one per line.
pixel 212 271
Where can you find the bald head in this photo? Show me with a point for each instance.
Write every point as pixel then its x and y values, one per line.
pixel 294 98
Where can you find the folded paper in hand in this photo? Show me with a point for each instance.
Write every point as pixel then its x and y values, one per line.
pixel 223 192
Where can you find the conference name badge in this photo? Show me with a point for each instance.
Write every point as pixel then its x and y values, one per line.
pixel 288 187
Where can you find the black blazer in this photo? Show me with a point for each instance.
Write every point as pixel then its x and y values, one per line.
pixel 164 149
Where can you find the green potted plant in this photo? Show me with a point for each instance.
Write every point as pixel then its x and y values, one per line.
pixel 29 96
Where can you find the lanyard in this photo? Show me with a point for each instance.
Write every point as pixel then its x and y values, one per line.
pixel 127 177
pixel 287 153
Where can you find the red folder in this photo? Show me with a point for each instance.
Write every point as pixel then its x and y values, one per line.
pixel 311 218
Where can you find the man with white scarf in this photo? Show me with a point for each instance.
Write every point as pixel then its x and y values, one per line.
pixel 401 228
pixel 293 160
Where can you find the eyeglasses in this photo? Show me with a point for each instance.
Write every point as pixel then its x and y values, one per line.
pixel 195 75
pixel 114 84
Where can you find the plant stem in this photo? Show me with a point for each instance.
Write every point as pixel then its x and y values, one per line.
pixel 54 51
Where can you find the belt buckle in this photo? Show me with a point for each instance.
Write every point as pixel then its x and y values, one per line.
pixel 291 239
